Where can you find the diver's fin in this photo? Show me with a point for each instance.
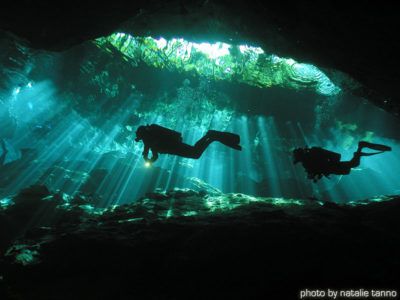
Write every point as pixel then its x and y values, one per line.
pixel 229 139
pixel 372 146
pixel 369 154
pixel 237 147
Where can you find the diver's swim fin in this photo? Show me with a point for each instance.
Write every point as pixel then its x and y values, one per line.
pixel 369 154
pixel 231 140
pixel 372 146
pixel 236 146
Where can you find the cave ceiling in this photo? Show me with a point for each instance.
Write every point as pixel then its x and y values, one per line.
pixel 359 40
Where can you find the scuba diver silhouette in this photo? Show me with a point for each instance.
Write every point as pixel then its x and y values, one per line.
pixel 162 140
pixel 320 162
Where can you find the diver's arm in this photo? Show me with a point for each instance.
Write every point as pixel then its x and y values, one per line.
pixel 146 152
pixel 154 155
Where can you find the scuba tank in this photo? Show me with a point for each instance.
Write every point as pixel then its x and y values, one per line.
pixel 321 155
pixel 318 162
pixel 166 134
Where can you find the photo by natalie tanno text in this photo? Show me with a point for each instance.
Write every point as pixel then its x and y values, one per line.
pixel 348 294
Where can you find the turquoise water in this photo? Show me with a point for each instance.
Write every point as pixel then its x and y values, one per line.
pixel 69 121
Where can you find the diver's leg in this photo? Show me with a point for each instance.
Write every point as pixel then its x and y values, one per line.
pixel 344 167
pixel 378 147
pixel 195 151
pixel 201 145
pixel 229 139
pixel 355 161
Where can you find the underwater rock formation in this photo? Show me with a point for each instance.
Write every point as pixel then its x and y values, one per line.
pixel 181 242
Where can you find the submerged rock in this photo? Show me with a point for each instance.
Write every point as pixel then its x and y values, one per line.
pixel 170 244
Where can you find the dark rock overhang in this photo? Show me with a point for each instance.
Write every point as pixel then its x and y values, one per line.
pixel 359 40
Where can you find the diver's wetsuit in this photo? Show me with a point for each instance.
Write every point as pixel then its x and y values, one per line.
pixel 317 166
pixel 181 149
pixel 160 143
